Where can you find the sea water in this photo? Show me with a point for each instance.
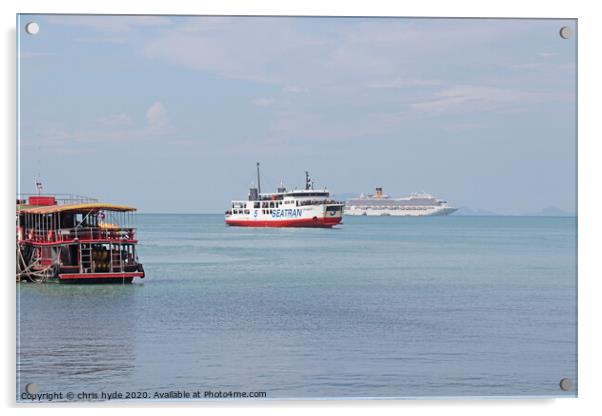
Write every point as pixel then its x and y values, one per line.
pixel 375 307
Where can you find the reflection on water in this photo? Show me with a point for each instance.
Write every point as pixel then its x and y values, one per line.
pixel 72 336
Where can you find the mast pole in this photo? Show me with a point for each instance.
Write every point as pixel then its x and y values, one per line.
pixel 258 180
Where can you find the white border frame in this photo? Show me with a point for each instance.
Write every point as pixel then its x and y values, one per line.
pixel 589 229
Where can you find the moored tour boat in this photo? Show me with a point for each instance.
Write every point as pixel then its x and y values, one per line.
pixel 73 239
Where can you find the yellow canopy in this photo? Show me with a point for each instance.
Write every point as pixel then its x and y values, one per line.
pixel 52 209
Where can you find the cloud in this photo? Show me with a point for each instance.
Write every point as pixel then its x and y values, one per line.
pixel 463 98
pixel 109 24
pixel 116 120
pixel 528 66
pixel 112 29
pixel 156 117
pixel 285 52
pixel 294 89
pixel 264 101
pixel 403 83
pixel 107 128
pixel 343 77
pixel 461 127
pixel 31 55
pixel 335 58
pixel 239 48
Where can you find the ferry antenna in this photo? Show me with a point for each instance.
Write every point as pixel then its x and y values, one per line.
pixel 308 182
pixel 258 180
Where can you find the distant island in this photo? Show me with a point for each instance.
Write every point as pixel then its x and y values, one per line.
pixel 551 212
pixel 545 212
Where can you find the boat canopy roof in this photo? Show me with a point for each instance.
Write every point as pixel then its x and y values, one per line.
pixel 53 209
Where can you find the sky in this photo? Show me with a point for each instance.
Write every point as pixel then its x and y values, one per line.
pixel 171 114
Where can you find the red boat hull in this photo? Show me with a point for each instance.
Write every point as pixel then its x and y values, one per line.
pixel 125 277
pixel 297 222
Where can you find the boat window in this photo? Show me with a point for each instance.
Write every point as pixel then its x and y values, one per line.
pixel 256 205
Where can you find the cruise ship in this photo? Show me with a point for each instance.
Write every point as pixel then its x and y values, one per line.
pixel 306 207
pixel 379 204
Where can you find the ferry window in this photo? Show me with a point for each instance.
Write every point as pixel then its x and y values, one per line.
pixel 271 205
pixel 256 205
pixel 246 211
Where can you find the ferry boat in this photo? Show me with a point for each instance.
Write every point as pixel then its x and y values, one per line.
pixel 74 239
pixel 415 205
pixel 307 207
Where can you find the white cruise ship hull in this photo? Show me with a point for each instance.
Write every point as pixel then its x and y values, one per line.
pixel 401 212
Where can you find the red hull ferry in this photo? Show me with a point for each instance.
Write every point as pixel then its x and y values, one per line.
pixel 73 239
pixel 307 207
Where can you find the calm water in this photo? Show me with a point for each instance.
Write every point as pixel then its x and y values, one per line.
pixel 380 307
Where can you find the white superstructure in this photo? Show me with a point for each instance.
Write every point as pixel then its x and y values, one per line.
pixel 417 204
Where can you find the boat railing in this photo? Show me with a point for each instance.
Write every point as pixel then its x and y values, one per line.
pixel 63 199
pixel 80 233
pixel 319 202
